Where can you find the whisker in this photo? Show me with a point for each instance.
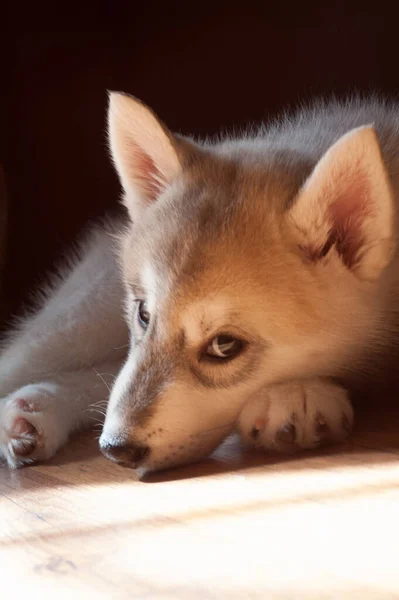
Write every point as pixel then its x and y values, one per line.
pixel 100 419
pixel 97 420
pixel 100 403
pixel 109 375
pixel 101 377
pixel 94 410
pixel 97 409
pixel 206 431
pixel 121 347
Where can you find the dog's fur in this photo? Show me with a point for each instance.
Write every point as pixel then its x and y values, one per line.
pixel 284 239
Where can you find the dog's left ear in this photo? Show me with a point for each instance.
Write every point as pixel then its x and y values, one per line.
pixel 143 151
pixel 346 206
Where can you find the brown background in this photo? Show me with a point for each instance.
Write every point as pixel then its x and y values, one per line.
pixel 201 67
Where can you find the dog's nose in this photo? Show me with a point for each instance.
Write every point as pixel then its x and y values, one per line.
pixel 125 453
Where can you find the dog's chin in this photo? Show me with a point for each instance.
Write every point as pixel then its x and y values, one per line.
pixel 145 470
pixel 177 459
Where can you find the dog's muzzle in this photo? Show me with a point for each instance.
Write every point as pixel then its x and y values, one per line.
pixel 124 453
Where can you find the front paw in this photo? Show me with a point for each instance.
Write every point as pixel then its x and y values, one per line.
pixel 30 427
pixel 300 414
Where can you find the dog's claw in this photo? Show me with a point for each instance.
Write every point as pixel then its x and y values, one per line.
pixel 322 430
pixel 287 434
pixel 297 415
pixel 23 446
pixel 346 424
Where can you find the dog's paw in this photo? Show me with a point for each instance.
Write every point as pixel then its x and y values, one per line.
pixel 30 427
pixel 300 414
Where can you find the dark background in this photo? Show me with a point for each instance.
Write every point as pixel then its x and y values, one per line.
pixel 202 67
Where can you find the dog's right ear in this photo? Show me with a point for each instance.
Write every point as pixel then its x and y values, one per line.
pixel 143 151
pixel 346 207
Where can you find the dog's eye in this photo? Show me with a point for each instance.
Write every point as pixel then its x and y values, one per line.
pixel 224 347
pixel 143 314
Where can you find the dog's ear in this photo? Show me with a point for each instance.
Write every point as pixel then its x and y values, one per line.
pixel 143 151
pixel 346 206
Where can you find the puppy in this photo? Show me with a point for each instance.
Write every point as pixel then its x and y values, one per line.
pixel 250 282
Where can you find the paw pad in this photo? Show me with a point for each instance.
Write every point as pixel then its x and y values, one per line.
pixel 24 405
pixel 21 427
pixel 31 427
pixel 259 426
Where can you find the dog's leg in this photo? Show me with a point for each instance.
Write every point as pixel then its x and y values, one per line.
pixel 38 418
pixel 297 414
pixel 63 358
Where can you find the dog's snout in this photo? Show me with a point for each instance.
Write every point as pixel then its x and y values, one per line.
pixel 125 453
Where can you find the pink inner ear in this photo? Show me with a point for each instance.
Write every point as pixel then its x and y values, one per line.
pixel 347 215
pixel 147 175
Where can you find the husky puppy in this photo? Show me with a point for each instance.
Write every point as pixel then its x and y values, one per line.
pixel 254 278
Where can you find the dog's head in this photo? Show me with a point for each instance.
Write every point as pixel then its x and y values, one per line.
pixel 243 266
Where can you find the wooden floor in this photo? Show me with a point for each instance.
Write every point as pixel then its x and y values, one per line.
pixel 236 526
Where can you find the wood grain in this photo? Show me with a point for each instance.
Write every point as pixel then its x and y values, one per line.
pixel 239 525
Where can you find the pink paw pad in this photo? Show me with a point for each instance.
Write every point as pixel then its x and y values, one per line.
pixel 23 435
pixel 260 424
pixel 22 427
pixel 24 405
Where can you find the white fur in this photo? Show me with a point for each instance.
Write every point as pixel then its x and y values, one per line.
pixel 62 360
pixel 151 285
pixel 74 346
pixel 115 422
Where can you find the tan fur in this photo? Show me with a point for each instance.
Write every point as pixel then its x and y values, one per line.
pixel 283 242
pixel 259 278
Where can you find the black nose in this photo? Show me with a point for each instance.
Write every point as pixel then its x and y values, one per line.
pixel 128 454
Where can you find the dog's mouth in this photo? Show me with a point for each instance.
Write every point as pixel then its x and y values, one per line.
pixel 156 457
